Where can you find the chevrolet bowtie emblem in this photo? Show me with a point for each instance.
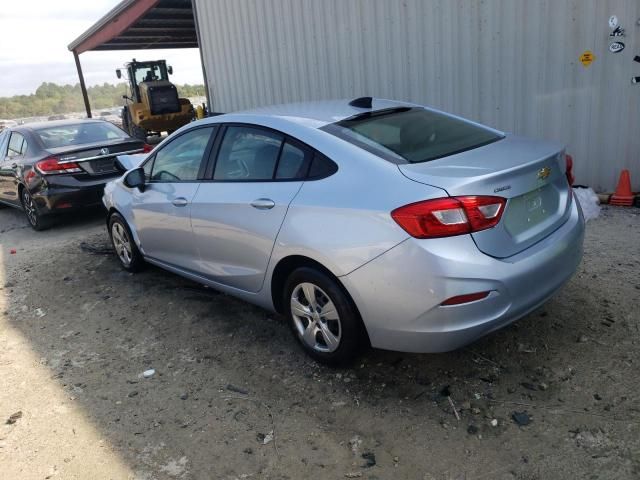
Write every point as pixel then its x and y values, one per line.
pixel 544 173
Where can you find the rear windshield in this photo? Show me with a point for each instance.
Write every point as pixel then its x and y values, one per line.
pixel 411 135
pixel 78 134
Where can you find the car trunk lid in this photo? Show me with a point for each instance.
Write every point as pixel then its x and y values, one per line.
pixel 530 174
pixel 97 159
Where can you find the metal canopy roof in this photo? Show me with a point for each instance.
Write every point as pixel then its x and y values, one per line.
pixel 140 25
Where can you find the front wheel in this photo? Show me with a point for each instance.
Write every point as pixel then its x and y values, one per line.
pixel 323 318
pixel 130 127
pixel 36 220
pixel 123 244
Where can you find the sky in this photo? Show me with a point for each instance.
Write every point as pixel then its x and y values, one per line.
pixel 34 35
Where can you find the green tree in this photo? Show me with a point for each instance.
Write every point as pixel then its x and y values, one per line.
pixel 51 98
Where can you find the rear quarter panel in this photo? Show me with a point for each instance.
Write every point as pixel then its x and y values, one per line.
pixel 343 221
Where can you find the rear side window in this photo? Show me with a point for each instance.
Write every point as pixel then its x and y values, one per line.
pixel 248 153
pixel 411 135
pixel 180 160
pixel 17 145
pixel 321 167
pixel 294 162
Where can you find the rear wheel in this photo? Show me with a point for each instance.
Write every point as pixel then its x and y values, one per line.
pixel 35 219
pixel 123 244
pixel 322 317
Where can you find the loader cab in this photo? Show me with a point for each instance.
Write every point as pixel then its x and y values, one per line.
pixel 138 72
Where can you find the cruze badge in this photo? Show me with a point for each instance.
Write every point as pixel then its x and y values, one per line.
pixel 104 151
pixel 543 173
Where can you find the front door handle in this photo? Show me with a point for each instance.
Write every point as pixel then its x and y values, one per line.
pixel 180 202
pixel 263 204
pixel 14 165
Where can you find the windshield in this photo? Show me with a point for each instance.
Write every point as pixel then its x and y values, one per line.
pixel 411 135
pixel 150 74
pixel 78 134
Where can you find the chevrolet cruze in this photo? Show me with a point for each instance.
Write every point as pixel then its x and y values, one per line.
pixel 364 222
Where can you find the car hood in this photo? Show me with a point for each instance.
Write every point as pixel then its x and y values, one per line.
pixel 130 162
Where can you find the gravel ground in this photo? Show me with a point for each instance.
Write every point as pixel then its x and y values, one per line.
pixel 232 396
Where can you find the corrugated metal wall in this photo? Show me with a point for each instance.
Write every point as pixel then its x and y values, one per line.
pixel 512 64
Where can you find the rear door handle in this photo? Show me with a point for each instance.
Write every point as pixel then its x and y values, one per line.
pixel 180 202
pixel 263 204
pixel 14 165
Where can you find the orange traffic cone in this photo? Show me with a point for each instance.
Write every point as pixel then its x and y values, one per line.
pixel 623 195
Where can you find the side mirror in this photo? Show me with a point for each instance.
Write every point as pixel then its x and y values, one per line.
pixel 118 73
pixel 170 70
pixel 135 179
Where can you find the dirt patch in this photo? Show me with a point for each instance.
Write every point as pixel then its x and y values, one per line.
pixel 232 396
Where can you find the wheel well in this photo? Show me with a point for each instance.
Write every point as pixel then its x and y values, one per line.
pixel 282 272
pixel 111 211
pixel 21 187
pixel 288 265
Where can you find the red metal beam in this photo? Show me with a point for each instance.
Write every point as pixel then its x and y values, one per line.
pixel 116 26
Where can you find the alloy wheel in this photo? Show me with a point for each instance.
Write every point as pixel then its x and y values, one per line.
pixel 121 243
pixel 29 208
pixel 316 318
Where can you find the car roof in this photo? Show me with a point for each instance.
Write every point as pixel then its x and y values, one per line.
pixel 320 113
pixel 58 123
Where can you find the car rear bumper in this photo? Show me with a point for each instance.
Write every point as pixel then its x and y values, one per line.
pixel 399 294
pixel 63 194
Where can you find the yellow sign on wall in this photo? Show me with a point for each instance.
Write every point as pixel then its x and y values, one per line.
pixel 587 58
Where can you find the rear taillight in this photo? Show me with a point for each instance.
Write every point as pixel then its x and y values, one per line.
pixel 569 169
pixel 445 217
pixel 53 165
pixel 146 148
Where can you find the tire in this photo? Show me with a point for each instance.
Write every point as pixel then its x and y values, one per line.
pixel 122 241
pixel 335 339
pixel 138 132
pixel 131 128
pixel 37 221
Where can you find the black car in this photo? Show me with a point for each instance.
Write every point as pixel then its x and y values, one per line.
pixel 56 167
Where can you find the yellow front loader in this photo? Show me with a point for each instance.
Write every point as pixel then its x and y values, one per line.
pixel 153 105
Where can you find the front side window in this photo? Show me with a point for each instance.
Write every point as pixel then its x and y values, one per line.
pixel 411 135
pixel 146 167
pixel 248 153
pixel 180 160
pixel 17 145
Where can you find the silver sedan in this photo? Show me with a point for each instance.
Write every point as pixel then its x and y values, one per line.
pixel 364 222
